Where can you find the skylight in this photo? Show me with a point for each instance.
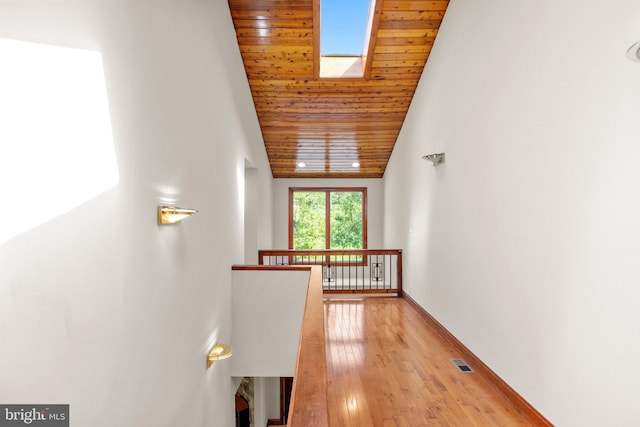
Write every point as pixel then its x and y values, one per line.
pixel 344 25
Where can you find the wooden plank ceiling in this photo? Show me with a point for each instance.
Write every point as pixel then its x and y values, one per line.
pixel 330 124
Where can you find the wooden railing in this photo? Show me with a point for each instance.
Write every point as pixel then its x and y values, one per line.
pixel 347 271
pixel 309 405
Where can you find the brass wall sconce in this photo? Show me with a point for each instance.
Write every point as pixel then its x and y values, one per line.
pixel 436 158
pixel 173 215
pixel 218 352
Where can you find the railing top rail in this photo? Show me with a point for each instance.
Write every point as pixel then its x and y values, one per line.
pixel 271 267
pixel 323 252
pixel 309 406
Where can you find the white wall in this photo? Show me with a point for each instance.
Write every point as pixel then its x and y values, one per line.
pixel 100 307
pixel 267 309
pixel 525 244
pixel 252 214
pixel 260 391
pixel 272 397
pixel 375 212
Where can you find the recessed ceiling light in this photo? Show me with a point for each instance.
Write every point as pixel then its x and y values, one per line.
pixel 355 164
pixel 301 164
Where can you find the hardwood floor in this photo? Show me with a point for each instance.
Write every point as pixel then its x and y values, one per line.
pixel 387 367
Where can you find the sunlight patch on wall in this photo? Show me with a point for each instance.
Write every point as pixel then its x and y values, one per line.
pixel 56 143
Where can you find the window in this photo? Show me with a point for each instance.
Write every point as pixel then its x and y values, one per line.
pixel 343 27
pixel 327 218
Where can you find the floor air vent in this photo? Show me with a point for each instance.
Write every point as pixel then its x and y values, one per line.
pixel 462 365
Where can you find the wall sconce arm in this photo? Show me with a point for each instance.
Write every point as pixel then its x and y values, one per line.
pixel 436 158
pixel 218 352
pixel 173 215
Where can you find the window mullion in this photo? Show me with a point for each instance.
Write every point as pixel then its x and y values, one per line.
pixel 327 220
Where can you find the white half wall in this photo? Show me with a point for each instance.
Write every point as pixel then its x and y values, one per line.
pixel 267 309
pixel 100 307
pixel 525 243
pixel 375 211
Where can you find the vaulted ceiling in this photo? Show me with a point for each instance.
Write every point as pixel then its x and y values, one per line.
pixel 337 127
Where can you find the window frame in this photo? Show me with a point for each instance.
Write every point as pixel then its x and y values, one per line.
pixel 328 191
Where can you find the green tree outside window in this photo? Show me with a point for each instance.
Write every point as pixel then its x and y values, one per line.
pixel 345 211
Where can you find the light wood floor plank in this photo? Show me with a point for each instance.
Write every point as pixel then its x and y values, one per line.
pixel 387 367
